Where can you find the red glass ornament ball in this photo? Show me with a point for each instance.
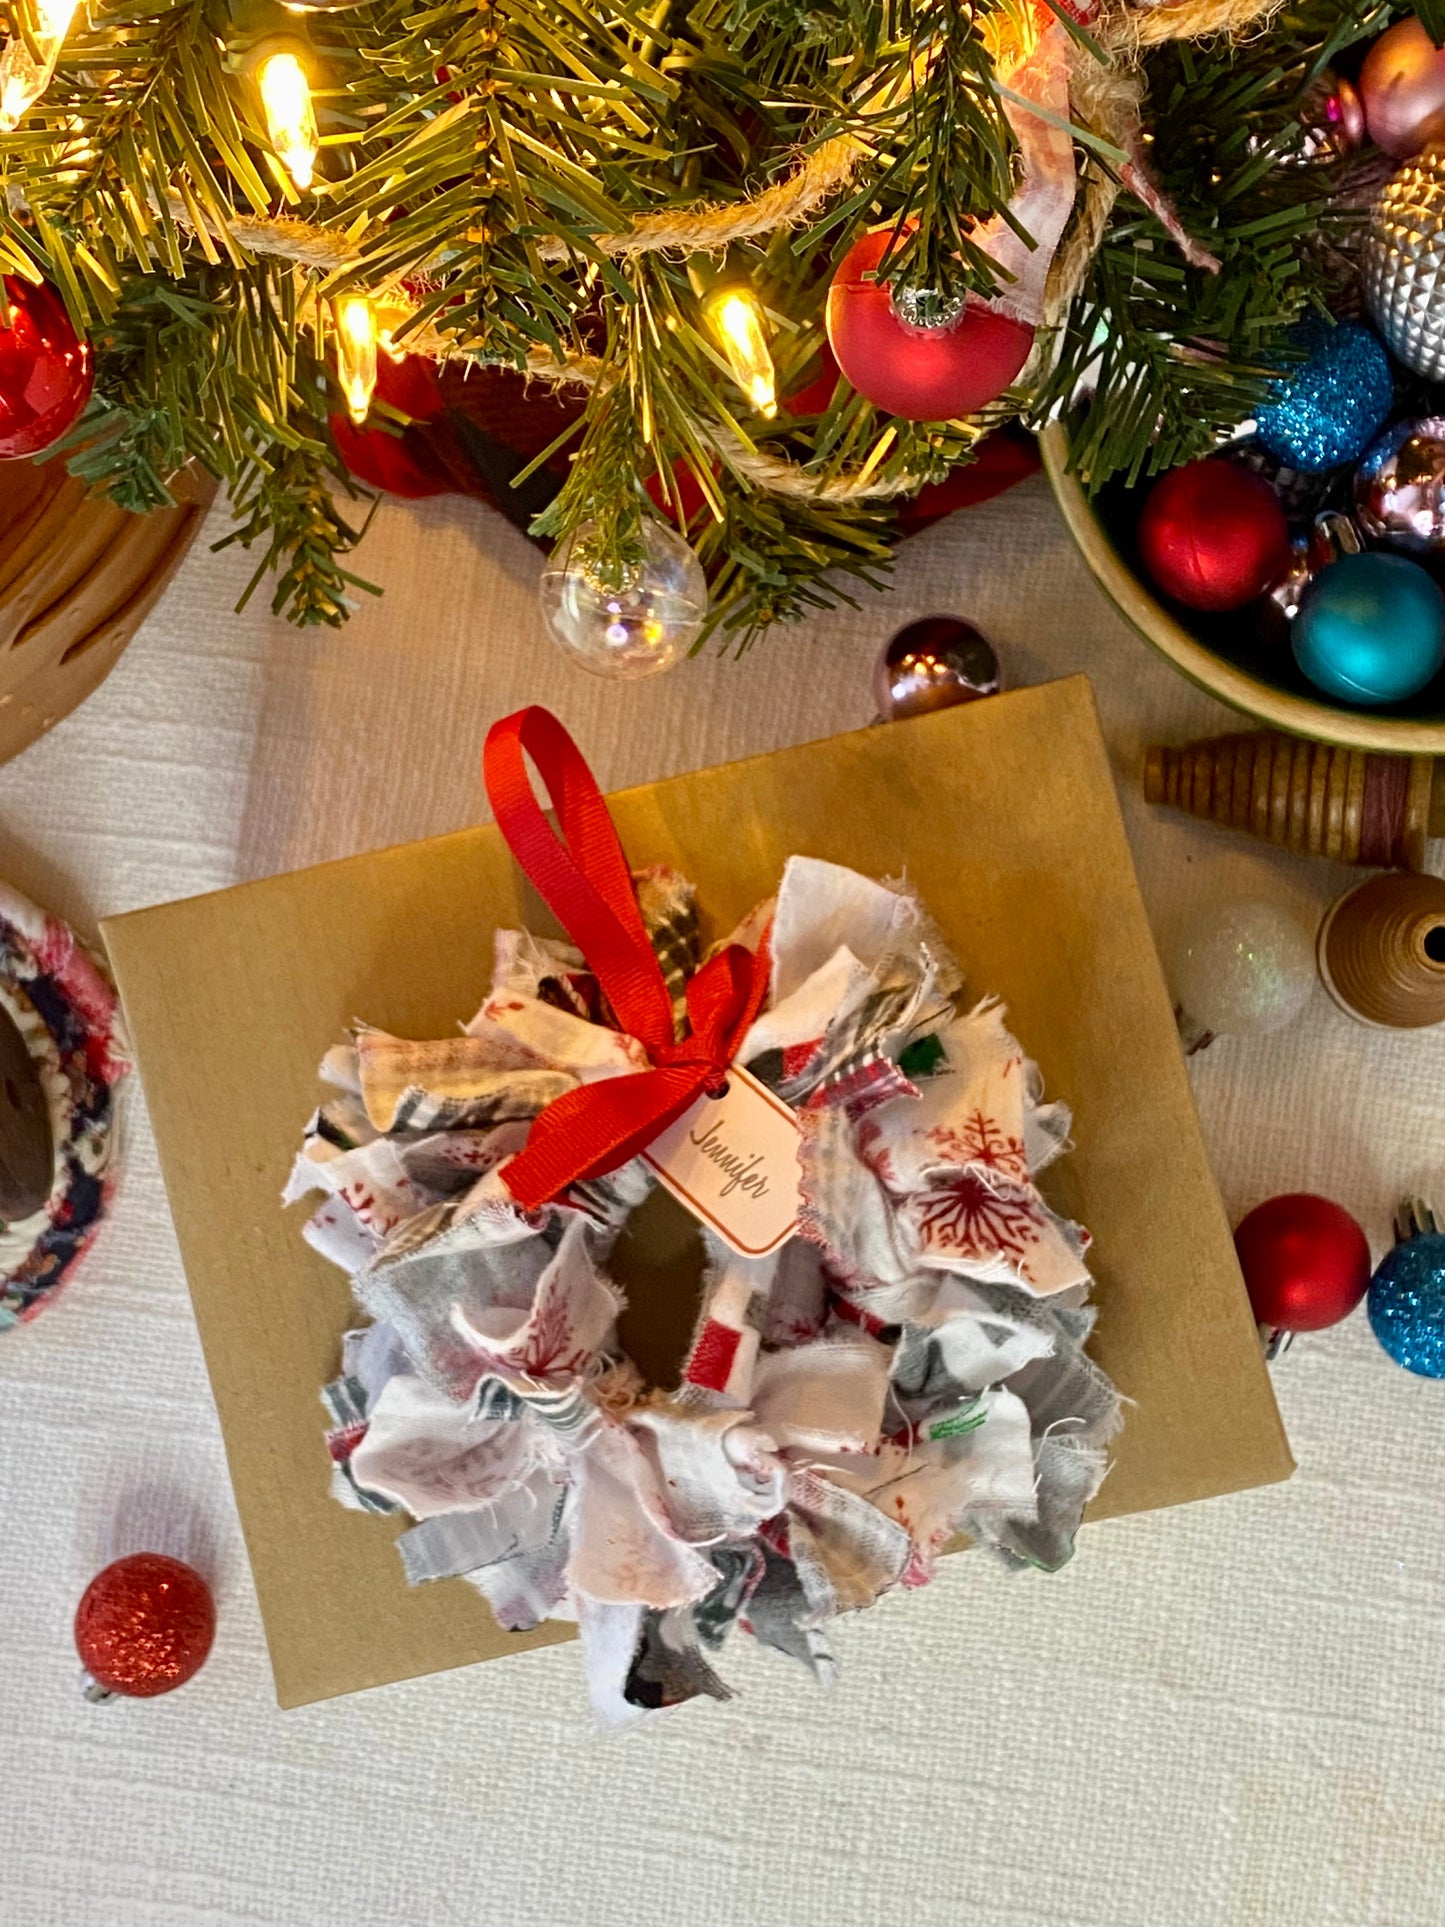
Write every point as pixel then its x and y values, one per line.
pixel 1306 1262
pixel 145 1625
pixel 1213 535
pixel 922 374
pixel 45 370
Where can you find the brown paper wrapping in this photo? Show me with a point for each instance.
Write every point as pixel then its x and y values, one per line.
pixel 1001 813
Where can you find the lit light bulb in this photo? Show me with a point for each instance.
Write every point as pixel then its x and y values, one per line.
pixel 392 314
pixel 736 318
pixel 290 117
pixel 76 154
pixel 23 78
pixel 356 344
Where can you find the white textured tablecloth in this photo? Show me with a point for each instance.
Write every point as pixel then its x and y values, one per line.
pixel 1231 1715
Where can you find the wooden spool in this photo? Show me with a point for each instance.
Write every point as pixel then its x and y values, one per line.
pixel 1381 951
pixel 78 576
pixel 1321 799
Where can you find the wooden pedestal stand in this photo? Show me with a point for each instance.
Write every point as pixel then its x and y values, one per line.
pixel 78 576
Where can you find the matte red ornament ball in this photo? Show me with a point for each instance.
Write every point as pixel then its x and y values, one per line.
pixel 922 374
pixel 45 370
pixel 1306 1262
pixel 145 1625
pixel 1213 535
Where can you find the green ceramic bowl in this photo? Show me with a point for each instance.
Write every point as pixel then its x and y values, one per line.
pixel 1221 653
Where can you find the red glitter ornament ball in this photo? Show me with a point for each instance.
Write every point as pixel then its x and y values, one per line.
pixel 45 370
pixel 145 1625
pixel 923 374
pixel 1305 1261
pixel 1213 536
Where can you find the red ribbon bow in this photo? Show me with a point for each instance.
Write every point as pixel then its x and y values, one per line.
pixel 584 879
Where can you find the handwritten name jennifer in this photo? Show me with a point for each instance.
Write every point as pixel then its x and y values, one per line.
pixel 741 1171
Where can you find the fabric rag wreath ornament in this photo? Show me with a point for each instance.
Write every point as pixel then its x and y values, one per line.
pixel 64 1009
pixel 907 1362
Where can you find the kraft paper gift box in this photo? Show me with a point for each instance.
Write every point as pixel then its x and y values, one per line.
pixel 1002 815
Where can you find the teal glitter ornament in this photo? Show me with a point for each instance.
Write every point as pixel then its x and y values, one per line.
pixel 1328 408
pixel 1370 629
pixel 1407 1293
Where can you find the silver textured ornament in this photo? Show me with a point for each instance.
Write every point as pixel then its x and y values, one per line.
pixel 1400 486
pixel 1404 261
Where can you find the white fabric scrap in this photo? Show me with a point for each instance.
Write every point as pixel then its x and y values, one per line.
pixel 829 1396
pixel 824 908
pixel 720 1476
pixel 933 1489
pixel 431 1455
pixel 625 1550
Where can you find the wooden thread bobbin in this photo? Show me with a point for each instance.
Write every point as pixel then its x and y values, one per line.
pixel 1319 799
pixel 1381 951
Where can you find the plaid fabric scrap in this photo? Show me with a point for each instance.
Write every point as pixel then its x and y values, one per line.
pixel 668 903
pixel 865 1083
pixel 854 1041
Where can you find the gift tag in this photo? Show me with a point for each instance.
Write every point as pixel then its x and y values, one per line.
pixel 733 1161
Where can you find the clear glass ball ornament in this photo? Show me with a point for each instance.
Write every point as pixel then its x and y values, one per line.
pixel 1240 969
pixel 629 620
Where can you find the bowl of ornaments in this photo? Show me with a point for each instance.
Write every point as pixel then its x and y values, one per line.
pixel 1297 570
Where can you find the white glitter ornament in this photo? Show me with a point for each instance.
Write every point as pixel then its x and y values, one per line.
pixel 625 622
pixel 1240 969
pixel 1404 262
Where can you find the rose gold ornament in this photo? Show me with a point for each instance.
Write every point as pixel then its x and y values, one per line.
pixel 933 664
pixel 1331 535
pixel 1345 117
pixel 1400 486
pixel 1332 124
pixel 1402 90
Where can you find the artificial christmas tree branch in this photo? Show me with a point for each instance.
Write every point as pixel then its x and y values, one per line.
pixel 549 187
pixel 1168 357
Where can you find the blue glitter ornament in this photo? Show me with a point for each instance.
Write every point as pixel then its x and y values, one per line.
pixel 1407 1293
pixel 1328 408
pixel 1370 629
